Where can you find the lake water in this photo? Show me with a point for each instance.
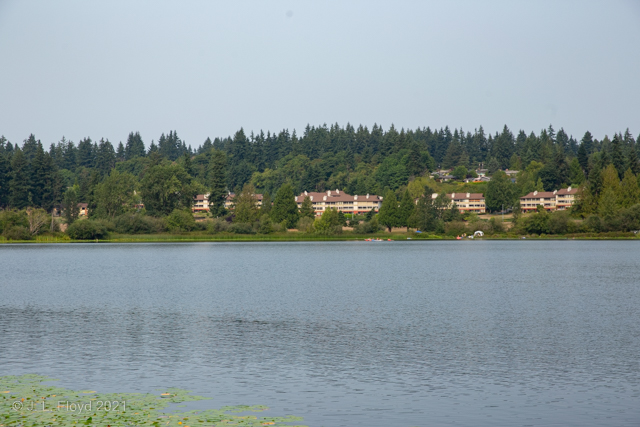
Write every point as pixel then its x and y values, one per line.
pixel 472 333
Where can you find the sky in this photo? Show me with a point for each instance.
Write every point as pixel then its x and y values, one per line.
pixel 206 69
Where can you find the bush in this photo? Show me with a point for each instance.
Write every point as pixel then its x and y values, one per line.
pixel 629 219
pixel 17 232
pixel 217 225
pixel 593 224
pixel 329 223
pixel 181 220
pixel 305 225
pixel 135 223
pixel 241 228
pixel 367 227
pixel 88 230
pixel 496 226
pixel 265 225
pixel 559 223
pixel 455 228
pixel 11 218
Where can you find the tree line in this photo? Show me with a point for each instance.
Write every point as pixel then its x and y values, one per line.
pixel 166 175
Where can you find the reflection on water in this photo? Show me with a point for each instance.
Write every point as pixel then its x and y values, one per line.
pixel 419 333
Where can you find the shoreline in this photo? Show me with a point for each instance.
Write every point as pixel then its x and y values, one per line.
pixel 399 237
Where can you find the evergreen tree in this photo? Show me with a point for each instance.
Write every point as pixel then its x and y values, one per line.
pixel 19 196
pixel 389 215
pixel 583 158
pixel 30 148
pixel 629 190
pixel 69 156
pixel 306 209
pixel 38 175
pixel 70 205
pixel 5 173
pixel 617 156
pixel 587 142
pixel 105 157
pixel 120 153
pixel 246 205
pixel 217 180
pixel 134 147
pixel 407 206
pixel 425 216
pixel 265 208
pixel 86 154
pixel 500 192
pixel 285 208
pixel 576 174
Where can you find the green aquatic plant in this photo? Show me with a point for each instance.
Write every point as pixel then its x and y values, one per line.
pixel 26 401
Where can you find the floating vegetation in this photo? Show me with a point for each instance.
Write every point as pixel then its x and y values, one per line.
pixel 25 401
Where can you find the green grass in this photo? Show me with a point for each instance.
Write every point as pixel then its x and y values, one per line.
pixel 302 237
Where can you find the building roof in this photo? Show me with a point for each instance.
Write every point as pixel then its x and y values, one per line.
pixel 566 191
pixel 540 195
pixel 337 196
pixel 464 196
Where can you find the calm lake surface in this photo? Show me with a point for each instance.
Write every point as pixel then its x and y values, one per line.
pixel 473 333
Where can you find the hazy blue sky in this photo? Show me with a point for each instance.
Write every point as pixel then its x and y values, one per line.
pixel 103 69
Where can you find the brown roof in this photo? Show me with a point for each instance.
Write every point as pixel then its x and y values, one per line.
pixel 337 196
pixel 539 195
pixel 566 191
pixel 465 196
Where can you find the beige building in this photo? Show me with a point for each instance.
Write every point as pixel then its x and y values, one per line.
pixel 201 202
pixel 467 202
pixel 357 204
pixel 551 200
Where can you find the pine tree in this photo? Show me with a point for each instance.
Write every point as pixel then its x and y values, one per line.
pixel 38 175
pixel 306 209
pixel 617 157
pixel 587 142
pixel 70 205
pixel 5 173
pixel 217 179
pixel 576 174
pixel 265 208
pixel 105 158
pixel 246 205
pixel 86 154
pixel 19 196
pixel 389 215
pixel 120 153
pixel 629 190
pixel 134 147
pixel 285 208
pixel 583 158
pixel 407 206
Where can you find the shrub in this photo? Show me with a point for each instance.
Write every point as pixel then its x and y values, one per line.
pixel 135 223
pixel 17 232
pixel 181 220
pixel 217 225
pixel 367 227
pixel 559 223
pixel 88 230
pixel 265 225
pixel 629 219
pixel 241 228
pixel 496 226
pixel 11 218
pixel 305 225
pixel 455 228
pixel 328 223
pixel 593 224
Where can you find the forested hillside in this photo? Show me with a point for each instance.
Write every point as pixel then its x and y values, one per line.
pixel 357 160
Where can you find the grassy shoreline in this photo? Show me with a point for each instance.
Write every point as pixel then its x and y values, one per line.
pixel 300 237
